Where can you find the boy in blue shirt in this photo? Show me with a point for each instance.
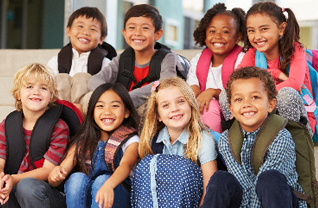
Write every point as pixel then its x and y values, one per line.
pixel 251 94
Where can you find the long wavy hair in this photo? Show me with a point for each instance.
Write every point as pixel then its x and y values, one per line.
pixel 89 133
pixel 291 35
pixel 153 126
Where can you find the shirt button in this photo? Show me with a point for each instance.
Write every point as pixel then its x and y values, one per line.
pixel 244 139
pixel 247 150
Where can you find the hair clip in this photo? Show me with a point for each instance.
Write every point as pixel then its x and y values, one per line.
pixel 283 9
pixel 154 86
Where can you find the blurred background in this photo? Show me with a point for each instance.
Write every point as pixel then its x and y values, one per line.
pixel 41 24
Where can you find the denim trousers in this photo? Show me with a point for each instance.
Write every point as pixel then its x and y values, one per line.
pixel 31 192
pixel 81 189
pixel 224 190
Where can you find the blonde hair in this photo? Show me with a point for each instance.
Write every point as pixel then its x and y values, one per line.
pixel 152 125
pixel 36 72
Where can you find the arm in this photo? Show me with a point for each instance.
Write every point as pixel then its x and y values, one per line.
pixel 208 169
pixel 206 96
pixel 248 59
pixel 168 69
pixel 59 173
pixel 105 195
pixel 298 68
pixel 107 74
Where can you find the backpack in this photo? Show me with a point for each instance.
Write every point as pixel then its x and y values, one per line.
pixel 41 134
pixel 304 147
pixel 166 181
pixel 127 66
pixel 95 59
pixel 310 100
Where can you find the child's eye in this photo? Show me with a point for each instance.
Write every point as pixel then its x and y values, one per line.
pixel 237 99
pixel 115 106
pixel 99 106
pixel 93 29
pixel 165 105
pixel 145 28
pixel 264 29
pixel 29 86
pixel 181 101
pixel 131 28
pixel 212 31
pixel 43 88
pixel 255 97
pixel 250 31
pixel 225 31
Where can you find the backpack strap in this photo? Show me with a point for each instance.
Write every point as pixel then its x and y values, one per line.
pixel 116 140
pixel 14 141
pixel 204 63
pixel 95 59
pixel 156 148
pixel 126 68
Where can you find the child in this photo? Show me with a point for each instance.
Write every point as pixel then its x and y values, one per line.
pixel 173 113
pixel 271 33
pixel 220 30
pixel 26 159
pixel 111 115
pixel 251 94
pixel 142 28
pixel 83 56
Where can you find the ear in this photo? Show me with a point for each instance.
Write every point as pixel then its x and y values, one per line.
pixel 102 40
pixel 282 28
pixel 272 104
pixel 158 34
pixel 231 109
pixel 68 31
pixel 127 113
pixel 159 119
pixel 238 37
pixel 123 31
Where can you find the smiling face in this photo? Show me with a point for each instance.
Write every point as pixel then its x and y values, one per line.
pixel 173 109
pixel 109 113
pixel 221 35
pixel 35 97
pixel 263 34
pixel 249 103
pixel 85 34
pixel 140 34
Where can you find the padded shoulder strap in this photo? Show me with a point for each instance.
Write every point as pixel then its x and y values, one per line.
pixel 41 134
pixel 203 67
pixel 116 140
pixel 235 139
pixel 266 135
pixel 64 59
pixel 126 68
pixel 156 148
pixel 229 63
pixel 95 60
pixel 111 51
pixel 15 142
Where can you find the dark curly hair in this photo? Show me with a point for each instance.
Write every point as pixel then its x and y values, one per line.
pixel 237 13
pixel 253 72
pixel 145 10
pixel 291 35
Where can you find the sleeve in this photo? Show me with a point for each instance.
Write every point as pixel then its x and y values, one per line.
pixel 239 59
pixel 133 139
pixel 236 169
pixel 52 64
pixel 105 63
pixel 298 68
pixel 208 150
pixel 108 74
pixel 58 142
pixel 248 59
pixel 281 156
pixel 168 69
pixel 3 144
pixel 192 78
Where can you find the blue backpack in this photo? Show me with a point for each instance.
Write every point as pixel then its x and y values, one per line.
pixel 310 100
pixel 163 180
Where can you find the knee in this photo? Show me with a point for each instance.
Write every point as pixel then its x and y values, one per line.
pixel 99 181
pixel 214 106
pixel 81 78
pixel 75 183
pixel 223 180
pixel 270 179
pixel 30 187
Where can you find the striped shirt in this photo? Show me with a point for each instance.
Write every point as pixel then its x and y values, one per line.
pixel 280 156
pixel 57 147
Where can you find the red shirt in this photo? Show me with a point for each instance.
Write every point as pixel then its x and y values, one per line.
pixel 139 74
pixel 57 148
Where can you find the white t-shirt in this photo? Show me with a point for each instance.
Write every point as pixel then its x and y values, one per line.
pixel 214 79
pixel 124 147
pixel 79 63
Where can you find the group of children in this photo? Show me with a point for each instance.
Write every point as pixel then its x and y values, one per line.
pixel 97 166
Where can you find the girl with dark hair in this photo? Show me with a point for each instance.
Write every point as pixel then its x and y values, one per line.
pixel 272 43
pixel 220 30
pixel 107 139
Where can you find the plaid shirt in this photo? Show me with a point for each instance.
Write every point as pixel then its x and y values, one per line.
pixel 280 156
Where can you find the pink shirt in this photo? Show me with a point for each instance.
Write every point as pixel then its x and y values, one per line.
pixel 298 72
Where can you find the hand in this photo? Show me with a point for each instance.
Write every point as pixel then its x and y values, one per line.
pixel 6 187
pixel 58 174
pixel 204 99
pixel 105 196
pixel 282 77
pixel 302 87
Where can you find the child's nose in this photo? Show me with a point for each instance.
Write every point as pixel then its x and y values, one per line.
pixel 246 103
pixel 174 107
pixel 85 31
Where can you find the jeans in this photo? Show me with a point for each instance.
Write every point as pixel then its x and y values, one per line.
pixel 31 192
pixel 224 190
pixel 81 191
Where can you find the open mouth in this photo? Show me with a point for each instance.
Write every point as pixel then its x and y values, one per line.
pixel 108 120
pixel 249 114
pixel 260 43
pixel 83 40
pixel 35 99
pixel 218 45
pixel 176 117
